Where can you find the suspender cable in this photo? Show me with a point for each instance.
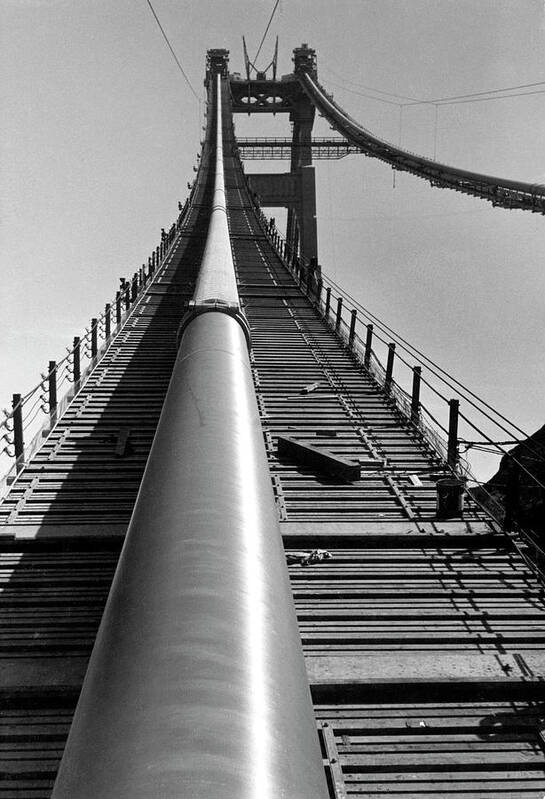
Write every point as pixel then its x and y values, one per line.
pixel 196 687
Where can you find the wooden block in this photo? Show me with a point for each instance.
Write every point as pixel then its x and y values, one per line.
pixel 323 460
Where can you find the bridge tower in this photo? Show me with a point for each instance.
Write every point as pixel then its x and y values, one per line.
pixel 296 189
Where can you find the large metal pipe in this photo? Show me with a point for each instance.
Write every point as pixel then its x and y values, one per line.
pixel 196 687
pixel 216 280
pixel 361 137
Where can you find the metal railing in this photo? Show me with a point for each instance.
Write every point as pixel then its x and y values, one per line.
pixel 33 415
pixel 417 391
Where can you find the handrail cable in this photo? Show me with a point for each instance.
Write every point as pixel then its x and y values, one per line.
pixel 525 443
pixel 473 426
pixel 411 350
pixel 505 452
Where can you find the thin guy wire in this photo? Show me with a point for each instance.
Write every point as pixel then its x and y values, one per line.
pixel 175 57
pixel 483 94
pixel 266 30
pixel 415 101
pixel 437 102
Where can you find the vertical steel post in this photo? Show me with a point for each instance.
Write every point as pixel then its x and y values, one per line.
pixel 415 397
pixel 319 287
pixel 118 308
pixel 452 449
pixel 107 321
pixel 134 287
pixel 52 391
pixel 352 333
pixel 389 367
pixel 94 338
pixel 305 283
pixel 76 356
pixel 327 303
pixel 151 267
pixel 338 315
pixel 125 293
pixel 368 346
pixel 18 440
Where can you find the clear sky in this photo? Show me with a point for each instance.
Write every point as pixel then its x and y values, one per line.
pixel 100 133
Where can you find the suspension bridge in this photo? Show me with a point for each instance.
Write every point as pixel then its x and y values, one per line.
pixel 239 557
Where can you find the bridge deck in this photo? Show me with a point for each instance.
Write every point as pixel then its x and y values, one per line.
pixel 423 639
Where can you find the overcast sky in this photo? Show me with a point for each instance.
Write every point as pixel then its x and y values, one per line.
pixel 100 133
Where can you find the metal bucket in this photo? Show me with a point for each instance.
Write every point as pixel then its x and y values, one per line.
pixel 450 498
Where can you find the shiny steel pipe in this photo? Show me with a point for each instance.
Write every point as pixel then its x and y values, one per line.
pixel 196 687
pixel 216 280
pixel 361 137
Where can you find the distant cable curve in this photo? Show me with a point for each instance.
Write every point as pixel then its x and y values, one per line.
pixel 450 100
pixel 498 191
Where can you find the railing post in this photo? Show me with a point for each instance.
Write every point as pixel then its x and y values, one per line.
pixel 304 278
pixel 76 357
pixel 134 287
pixel 125 294
pixel 151 266
pixel 18 441
pixel 107 321
pixel 415 398
pixel 327 303
pixel 368 346
pixel 319 287
pixel 338 315
pixel 452 450
pixel 94 338
pixel 118 308
pixel 389 366
pixel 352 333
pixel 52 391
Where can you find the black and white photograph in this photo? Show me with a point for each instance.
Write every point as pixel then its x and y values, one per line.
pixel 272 399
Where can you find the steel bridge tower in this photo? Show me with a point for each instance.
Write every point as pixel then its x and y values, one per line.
pixel 236 563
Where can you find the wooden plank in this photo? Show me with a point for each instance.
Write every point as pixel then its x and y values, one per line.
pixel 321 459
pixel 420 667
